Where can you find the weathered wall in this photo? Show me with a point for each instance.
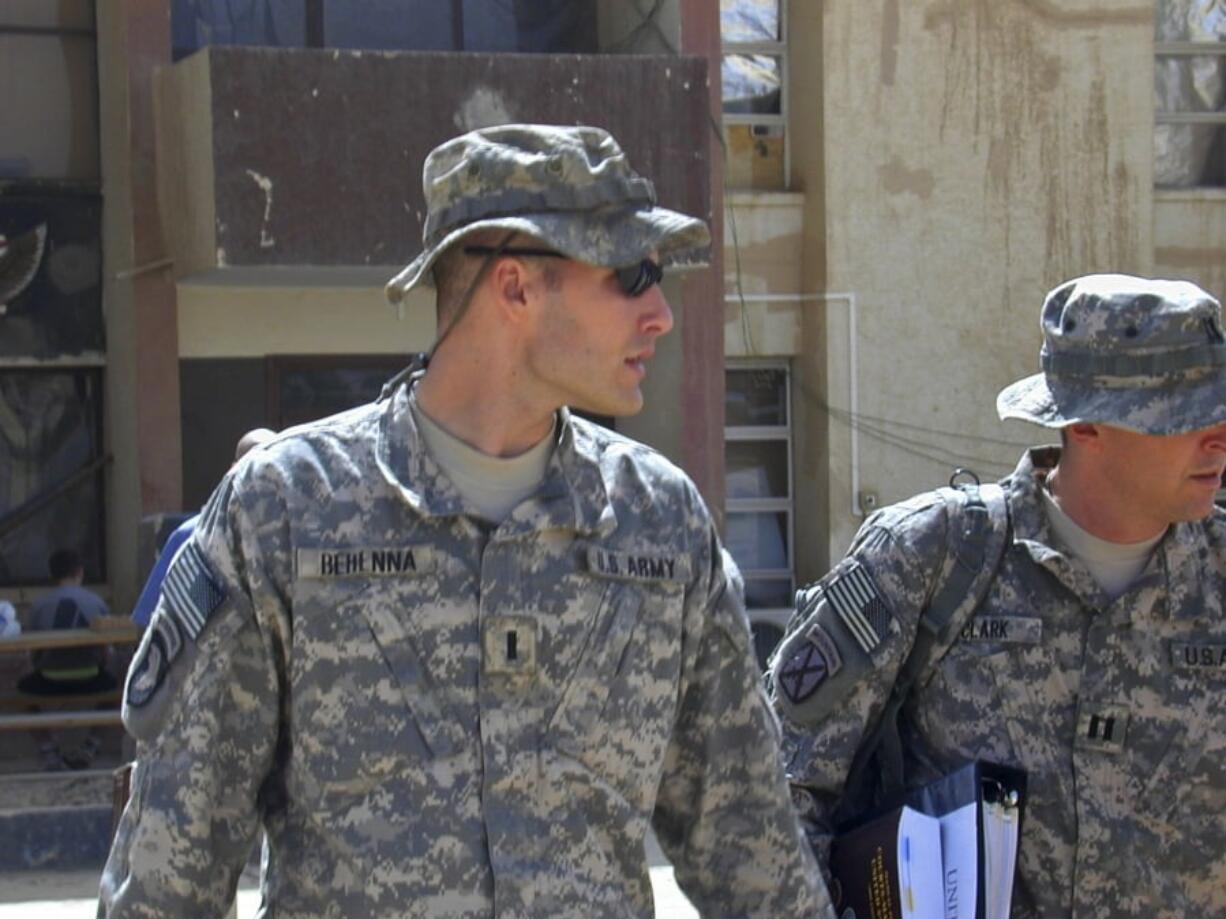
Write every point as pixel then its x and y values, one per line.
pixel 1190 237
pixel 763 251
pixel 235 321
pixel 977 152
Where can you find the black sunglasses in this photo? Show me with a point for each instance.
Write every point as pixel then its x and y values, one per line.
pixel 635 280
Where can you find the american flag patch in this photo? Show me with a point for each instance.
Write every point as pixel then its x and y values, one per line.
pixel 190 592
pixel 855 598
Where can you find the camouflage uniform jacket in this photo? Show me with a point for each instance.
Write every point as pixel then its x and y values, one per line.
pixel 433 717
pixel 1115 708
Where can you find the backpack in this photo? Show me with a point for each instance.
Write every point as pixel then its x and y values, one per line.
pixel 976 540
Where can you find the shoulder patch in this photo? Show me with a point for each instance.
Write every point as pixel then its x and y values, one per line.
pixel 158 651
pixel 190 591
pixel 841 621
pixel 854 597
pixel 808 665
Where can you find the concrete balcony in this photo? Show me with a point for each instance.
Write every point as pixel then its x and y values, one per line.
pixel 301 167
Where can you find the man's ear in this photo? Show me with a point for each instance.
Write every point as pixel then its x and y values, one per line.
pixel 509 283
pixel 1085 434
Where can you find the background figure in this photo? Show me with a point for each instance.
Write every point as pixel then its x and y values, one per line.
pixel 147 601
pixel 67 671
pixel 1096 658
pixel 10 626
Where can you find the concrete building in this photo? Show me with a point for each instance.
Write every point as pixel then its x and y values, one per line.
pixel 900 184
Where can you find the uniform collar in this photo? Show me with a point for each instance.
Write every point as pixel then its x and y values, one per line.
pixel 573 495
pixel 1171 585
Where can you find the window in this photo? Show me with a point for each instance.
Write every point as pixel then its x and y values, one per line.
pixel 758 484
pixel 1189 93
pixel 305 388
pixel 754 80
pixel 49 68
pixel 52 486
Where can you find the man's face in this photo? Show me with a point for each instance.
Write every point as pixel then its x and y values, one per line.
pixel 1167 479
pixel 592 340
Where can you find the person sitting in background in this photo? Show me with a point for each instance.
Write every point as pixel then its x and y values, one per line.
pixel 10 627
pixel 67 671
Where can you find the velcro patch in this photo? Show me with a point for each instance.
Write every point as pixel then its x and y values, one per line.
pixel 808 665
pixel 158 652
pixel 1102 728
pixel 508 646
pixel 854 597
pixel 364 562
pixel 1202 656
pixel 1010 630
pixel 804 801
pixel 190 591
pixel 638 566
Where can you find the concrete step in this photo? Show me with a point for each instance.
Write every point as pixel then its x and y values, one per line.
pixel 52 821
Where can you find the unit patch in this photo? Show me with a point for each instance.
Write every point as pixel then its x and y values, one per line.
pixel 1015 630
pixel 808 665
pixel 366 562
pixel 636 566
pixel 159 650
pixel 190 591
pixel 854 596
pixel 1202 656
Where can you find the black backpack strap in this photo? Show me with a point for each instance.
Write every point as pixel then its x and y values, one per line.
pixel 976 538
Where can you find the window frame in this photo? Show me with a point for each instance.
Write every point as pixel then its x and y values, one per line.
pixel 770 124
pixel 773 434
pixel 1164 49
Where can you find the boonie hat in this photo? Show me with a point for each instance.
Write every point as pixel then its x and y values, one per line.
pixel 1134 353
pixel 570 187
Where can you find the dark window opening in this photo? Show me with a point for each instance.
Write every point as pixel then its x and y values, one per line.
pixel 387 25
pixel 51 493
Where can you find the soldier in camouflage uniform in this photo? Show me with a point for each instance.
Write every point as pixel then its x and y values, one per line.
pixel 434 710
pixel 1097 659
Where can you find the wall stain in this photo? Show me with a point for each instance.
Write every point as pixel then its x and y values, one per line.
pixel 897 179
pixel 889 42
pixel 1048 10
pixel 1189 256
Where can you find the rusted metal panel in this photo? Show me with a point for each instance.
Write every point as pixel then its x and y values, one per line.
pixel 317 155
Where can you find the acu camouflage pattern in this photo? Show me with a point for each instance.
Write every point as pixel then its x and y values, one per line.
pixel 570 187
pixel 1110 829
pixel 1149 356
pixel 394 774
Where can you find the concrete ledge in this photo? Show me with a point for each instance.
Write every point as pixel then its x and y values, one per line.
pixel 55 838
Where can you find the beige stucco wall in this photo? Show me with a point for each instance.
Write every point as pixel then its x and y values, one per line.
pixel 223 320
pixel 763 252
pixel 977 152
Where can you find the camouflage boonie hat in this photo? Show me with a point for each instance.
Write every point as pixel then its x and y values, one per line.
pixel 570 187
pixel 1148 356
